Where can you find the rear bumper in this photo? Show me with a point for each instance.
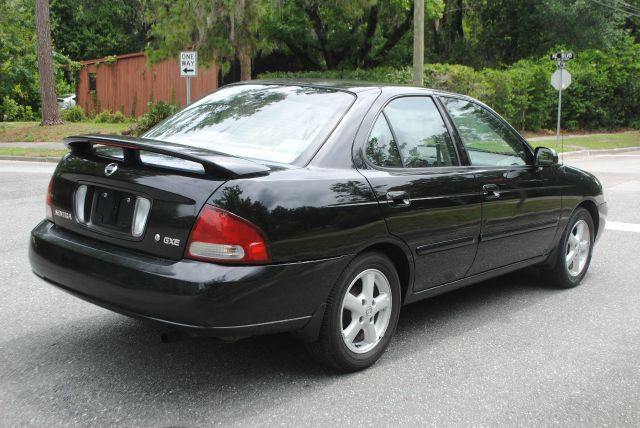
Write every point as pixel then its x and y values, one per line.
pixel 206 298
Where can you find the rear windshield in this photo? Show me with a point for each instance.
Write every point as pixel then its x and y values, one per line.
pixel 266 122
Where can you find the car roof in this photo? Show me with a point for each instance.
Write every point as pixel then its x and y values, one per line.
pixel 354 86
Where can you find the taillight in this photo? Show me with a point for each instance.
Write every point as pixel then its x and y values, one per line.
pixel 49 208
pixel 221 236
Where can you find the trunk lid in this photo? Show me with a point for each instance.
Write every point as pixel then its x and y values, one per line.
pixel 140 194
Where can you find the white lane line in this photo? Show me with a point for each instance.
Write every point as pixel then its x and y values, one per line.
pixel 625 227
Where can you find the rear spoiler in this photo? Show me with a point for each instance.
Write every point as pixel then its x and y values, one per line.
pixel 214 163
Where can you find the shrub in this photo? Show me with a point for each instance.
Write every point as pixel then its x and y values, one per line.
pixel 118 117
pixel 157 113
pixel 103 116
pixel 107 116
pixel 605 92
pixel 10 110
pixel 73 114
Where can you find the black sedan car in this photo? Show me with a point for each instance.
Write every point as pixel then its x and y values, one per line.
pixel 316 208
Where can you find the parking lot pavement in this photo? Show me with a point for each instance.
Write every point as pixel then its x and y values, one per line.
pixel 506 352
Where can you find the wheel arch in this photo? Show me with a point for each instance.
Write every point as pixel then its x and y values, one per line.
pixel 592 209
pixel 401 259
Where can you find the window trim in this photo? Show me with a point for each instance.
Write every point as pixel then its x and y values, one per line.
pixel 393 134
pixel 409 170
pixel 528 150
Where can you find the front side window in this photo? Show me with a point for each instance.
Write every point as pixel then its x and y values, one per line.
pixel 422 137
pixel 265 122
pixel 488 141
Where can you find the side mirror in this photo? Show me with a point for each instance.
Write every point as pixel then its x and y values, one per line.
pixel 545 156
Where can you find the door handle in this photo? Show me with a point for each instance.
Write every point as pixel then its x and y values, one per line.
pixel 399 199
pixel 491 191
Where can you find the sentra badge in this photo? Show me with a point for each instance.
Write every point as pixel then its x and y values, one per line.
pixel 63 214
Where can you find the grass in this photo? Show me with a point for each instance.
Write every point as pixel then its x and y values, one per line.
pixel 29 132
pixel 23 151
pixel 33 132
pixel 592 142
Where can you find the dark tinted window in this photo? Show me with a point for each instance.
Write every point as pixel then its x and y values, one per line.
pixel 423 139
pixel 266 122
pixel 489 142
pixel 381 148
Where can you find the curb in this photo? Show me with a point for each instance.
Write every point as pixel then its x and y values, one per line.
pixel 596 152
pixel 32 158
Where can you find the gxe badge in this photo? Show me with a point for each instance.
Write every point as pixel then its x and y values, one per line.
pixel 110 169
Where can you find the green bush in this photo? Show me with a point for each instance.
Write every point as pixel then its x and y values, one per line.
pixel 107 116
pixel 10 111
pixel 118 117
pixel 102 117
pixel 73 114
pixel 605 93
pixel 157 113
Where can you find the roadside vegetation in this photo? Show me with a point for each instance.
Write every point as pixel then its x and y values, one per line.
pixel 38 153
pixel 604 95
pixel 592 142
pixel 496 51
pixel 29 132
pixel 598 141
pixel 76 121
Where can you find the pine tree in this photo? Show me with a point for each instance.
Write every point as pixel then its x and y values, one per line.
pixel 49 109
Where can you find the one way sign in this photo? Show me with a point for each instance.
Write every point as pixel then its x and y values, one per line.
pixel 188 64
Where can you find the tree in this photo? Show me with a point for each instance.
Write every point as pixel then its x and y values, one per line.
pixel 345 33
pixel 220 30
pixel 49 110
pixel 18 62
pixel 495 32
pixel 88 29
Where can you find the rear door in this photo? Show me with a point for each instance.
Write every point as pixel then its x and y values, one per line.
pixel 428 198
pixel 522 202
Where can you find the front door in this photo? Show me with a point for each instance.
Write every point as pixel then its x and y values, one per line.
pixel 522 202
pixel 428 198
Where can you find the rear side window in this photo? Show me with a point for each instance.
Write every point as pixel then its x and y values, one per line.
pixel 422 137
pixel 489 142
pixel 381 147
pixel 264 122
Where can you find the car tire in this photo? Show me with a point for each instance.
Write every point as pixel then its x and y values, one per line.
pixel 573 253
pixel 361 316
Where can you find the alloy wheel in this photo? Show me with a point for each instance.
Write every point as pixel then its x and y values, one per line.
pixel 578 247
pixel 366 311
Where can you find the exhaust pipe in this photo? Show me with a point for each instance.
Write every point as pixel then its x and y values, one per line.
pixel 172 336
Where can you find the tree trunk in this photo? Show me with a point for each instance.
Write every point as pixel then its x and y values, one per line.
pixel 245 63
pixel 418 42
pixel 49 108
pixel 392 39
pixel 244 35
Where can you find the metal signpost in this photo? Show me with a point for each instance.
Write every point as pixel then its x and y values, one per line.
pixel 560 80
pixel 189 69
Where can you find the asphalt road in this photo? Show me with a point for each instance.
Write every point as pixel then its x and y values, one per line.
pixel 507 352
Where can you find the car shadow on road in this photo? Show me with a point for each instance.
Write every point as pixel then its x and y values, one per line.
pixel 114 358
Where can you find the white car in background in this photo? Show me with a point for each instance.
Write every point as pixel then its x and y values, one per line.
pixel 66 101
